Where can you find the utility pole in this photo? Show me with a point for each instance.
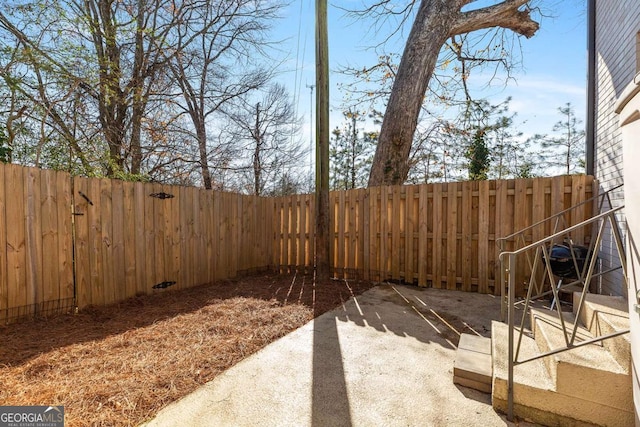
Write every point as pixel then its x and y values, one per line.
pixel 322 143
pixel 311 87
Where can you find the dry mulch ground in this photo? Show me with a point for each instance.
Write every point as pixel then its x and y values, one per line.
pixel 119 365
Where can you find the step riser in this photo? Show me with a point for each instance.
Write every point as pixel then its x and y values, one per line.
pixel 596 386
pixel 604 315
pixel 587 373
pixel 555 409
pixel 570 403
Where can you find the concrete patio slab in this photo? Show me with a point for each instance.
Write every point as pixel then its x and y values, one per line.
pixel 384 358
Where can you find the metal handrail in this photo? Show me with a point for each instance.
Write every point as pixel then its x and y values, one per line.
pixel 519 236
pixel 584 277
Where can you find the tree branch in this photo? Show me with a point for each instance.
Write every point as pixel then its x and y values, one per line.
pixel 505 14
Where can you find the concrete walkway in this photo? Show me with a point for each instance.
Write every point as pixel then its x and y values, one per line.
pixel 385 358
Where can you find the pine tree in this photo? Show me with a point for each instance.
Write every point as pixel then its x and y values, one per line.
pixel 350 151
pixel 566 148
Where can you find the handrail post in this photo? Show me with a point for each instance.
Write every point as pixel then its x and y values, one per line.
pixel 503 290
pixel 511 311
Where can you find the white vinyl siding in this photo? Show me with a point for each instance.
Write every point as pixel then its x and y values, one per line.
pixel 616 46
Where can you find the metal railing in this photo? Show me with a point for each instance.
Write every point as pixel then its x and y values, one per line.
pixel 538 255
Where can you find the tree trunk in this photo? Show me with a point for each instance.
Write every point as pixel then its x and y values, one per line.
pixel 138 104
pixel 201 134
pixel 435 22
pixel 257 164
pixel 429 32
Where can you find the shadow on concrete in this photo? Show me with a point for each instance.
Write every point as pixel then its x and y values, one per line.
pixel 432 316
pixel 330 399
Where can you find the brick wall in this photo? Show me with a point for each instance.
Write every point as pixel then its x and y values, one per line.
pixel 616 34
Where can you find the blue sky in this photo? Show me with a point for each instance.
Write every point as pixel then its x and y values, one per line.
pixel 553 70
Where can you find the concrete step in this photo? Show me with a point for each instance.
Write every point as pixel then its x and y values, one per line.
pixel 590 372
pixel 603 315
pixel 472 367
pixel 535 396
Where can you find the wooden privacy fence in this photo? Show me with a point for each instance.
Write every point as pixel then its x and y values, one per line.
pixel 437 235
pixel 74 242
pixel 69 242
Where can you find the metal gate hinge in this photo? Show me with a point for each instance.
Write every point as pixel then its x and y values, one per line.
pixel 84 196
pixel 163 285
pixel 162 195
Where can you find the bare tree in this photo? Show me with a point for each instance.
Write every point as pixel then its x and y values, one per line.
pixel 435 22
pixel 267 130
pixel 108 52
pixel 110 79
pixel 216 66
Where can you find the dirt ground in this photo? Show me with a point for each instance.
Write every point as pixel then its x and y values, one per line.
pixel 119 365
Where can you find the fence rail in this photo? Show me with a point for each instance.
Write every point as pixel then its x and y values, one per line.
pixel 70 242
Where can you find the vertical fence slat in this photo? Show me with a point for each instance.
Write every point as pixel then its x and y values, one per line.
pixel 185 256
pixel 503 218
pixel 385 244
pixel 129 239
pixel 187 243
pixel 64 236
pixel 49 213
pixel 4 302
pixel 217 237
pixel 557 197
pixel 94 219
pixel 452 234
pixel 300 233
pixel 192 239
pixel 483 236
pixel 396 219
pixel 233 230
pixel 82 243
pixel 293 230
pixel 16 239
pixel 360 247
pixel 437 237
pixel 521 221
pixel 149 239
pixel 172 236
pixel 118 245
pixel 467 234
pixel 538 211
pixel 374 234
pixel 210 242
pixel 195 238
pixel 578 193
pixel 408 234
pixel 106 244
pixel 33 238
pixel 340 217
pixel 140 238
pixel 423 230
pixel 352 236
